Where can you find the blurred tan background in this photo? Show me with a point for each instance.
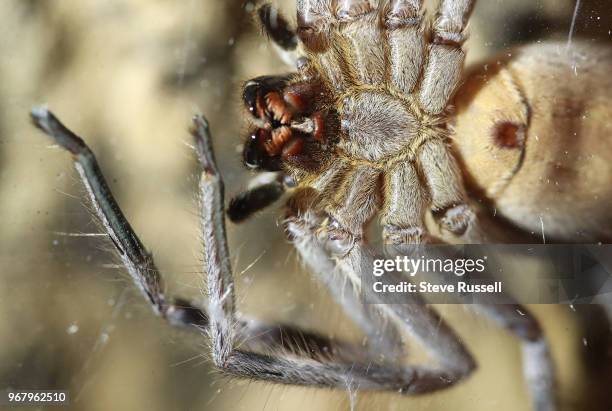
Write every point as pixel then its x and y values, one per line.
pixel 127 75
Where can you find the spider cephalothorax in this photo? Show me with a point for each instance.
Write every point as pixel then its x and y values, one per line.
pixel 360 135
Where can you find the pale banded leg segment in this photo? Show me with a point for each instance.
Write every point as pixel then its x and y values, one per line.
pixel 538 366
pixel 360 27
pixel 446 56
pixel 448 197
pixel 402 215
pixel 403 20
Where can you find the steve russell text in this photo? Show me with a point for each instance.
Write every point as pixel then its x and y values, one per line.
pixel 422 265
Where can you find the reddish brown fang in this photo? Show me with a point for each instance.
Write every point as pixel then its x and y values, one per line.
pixel 271 149
pixel 280 137
pixel 277 107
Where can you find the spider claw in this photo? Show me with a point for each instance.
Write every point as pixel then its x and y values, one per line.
pixel 457 219
pixel 394 235
pixel 339 241
pixel 46 121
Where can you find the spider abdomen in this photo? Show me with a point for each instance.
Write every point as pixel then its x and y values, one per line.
pixel 533 138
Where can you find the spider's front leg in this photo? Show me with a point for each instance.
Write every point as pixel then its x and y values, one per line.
pixel 347 38
pixel 315 18
pixel 247 333
pixel 138 261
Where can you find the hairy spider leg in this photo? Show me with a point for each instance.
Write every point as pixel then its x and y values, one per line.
pixel 453 362
pixel 249 333
pixel 247 203
pixel 303 359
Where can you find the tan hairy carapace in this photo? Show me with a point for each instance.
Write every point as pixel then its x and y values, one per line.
pixel 533 133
